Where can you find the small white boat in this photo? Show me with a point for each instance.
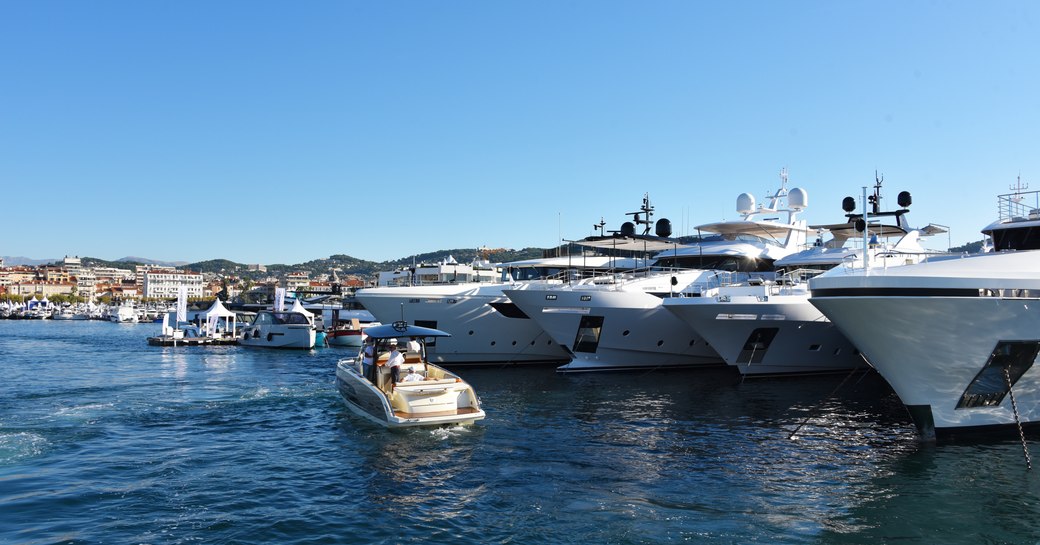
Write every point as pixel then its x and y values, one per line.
pixel 439 398
pixel 123 314
pixel 276 329
pixel 64 314
pixel 348 327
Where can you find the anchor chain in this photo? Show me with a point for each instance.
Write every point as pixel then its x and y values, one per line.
pixel 1018 421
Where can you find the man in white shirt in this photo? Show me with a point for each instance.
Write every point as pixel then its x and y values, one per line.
pixel 394 362
pixel 414 346
pixel 368 359
pixel 412 375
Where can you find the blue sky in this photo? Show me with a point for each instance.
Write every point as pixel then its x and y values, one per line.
pixel 267 132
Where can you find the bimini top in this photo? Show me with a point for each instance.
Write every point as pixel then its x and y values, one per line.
pixel 769 230
pixel 631 242
pixel 402 329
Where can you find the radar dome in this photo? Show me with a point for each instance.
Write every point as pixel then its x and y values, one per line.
pixel 848 204
pixel 797 199
pixel 904 199
pixel 663 228
pixel 628 228
pixel 745 203
pixel 861 225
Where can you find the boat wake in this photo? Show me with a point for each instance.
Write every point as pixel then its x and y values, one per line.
pixel 20 445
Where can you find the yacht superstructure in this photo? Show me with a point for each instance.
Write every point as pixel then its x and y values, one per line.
pixel 768 327
pixel 620 323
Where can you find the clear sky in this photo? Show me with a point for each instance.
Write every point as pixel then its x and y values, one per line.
pixel 280 132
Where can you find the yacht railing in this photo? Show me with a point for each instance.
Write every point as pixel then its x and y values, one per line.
pixel 583 276
pixel 1019 206
pixel 888 258
pixel 720 279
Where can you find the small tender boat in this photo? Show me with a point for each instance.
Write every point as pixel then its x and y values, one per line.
pixel 439 398
pixel 275 329
pixel 348 327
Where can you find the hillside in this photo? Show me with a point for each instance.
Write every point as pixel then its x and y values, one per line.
pixel 346 265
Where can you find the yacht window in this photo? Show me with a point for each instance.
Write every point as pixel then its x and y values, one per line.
pixel 432 324
pixel 990 386
pixel 1022 238
pixel 757 344
pixel 509 310
pixel 589 329
pixel 714 262
pixel 289 318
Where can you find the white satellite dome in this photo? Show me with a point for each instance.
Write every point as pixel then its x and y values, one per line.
pixel 745 203
pixel 797 199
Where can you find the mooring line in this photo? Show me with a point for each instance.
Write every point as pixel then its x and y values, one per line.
pixel 1018 421
pixel 828 396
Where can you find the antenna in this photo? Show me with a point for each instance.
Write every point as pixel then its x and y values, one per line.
pixel 1018 187
pixel 599 225
pixel 647 210
pixel 875 199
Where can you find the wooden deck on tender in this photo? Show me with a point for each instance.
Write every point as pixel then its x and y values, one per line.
pixel 457 412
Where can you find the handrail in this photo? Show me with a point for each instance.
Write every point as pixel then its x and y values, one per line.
pixel 1019 205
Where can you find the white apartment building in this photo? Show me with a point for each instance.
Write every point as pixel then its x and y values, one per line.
pixel 86 284
pixel 297 281
pixel 165 284
pixel 74 265
pixel 112 274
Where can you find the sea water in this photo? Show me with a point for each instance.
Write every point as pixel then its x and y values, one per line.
pixel 105 439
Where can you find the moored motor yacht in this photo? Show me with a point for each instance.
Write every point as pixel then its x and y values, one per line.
pixel 619 323
pixel 435 397
pixel 955 337
pixel 347 327
pixel 125 313
pixel 280 329
pixel 768 327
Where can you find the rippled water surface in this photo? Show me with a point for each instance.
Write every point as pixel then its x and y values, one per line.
pixel 104 439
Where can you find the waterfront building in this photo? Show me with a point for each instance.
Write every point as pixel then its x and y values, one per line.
pixel 86 284
pixel 297 281
pixel 54 273
pixel 40 289
pixel 112 275
pixel 74 265
pixel 163 283
pixel 141 270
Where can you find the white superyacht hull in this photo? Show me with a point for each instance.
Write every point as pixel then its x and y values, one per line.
pixel 765 334
pixel 484 324
pixel 942 334
pixel 614 330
